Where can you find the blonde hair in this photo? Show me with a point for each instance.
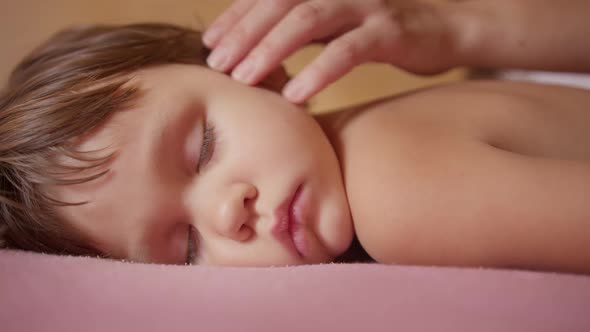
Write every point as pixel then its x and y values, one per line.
pixel 62 90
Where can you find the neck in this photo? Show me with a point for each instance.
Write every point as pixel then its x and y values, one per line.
pixel 335 124
pixel 335 121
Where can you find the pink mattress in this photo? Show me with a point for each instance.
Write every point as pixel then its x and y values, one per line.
pixel 49 293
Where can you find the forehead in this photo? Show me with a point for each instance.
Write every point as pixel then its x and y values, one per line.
pixel 127 193
pixel 158 88
pixel 162 94
pixel 112 137
pixel 125 134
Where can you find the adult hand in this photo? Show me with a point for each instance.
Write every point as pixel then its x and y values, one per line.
pixel 253 37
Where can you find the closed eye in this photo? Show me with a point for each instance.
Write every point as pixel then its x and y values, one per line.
pixel 191 251
pixel 207 150
pixel 208 146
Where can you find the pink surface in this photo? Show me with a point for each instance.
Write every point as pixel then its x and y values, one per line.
pixel 48 293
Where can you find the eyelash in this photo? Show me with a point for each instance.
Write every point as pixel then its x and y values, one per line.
pixel 207 149
pixel 208 146
pixel 191 252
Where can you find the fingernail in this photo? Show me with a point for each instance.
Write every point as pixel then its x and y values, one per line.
pixel 218 59
pixel 295 91
pixel 245 71
pixel 211 36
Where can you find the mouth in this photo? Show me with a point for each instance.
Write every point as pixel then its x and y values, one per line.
pixel 288 221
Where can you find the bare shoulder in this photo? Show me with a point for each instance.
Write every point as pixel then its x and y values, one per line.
pixel 412 163
pixel 381 147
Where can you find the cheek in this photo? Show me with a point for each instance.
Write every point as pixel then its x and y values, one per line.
pixel 262 134
pixel 271 130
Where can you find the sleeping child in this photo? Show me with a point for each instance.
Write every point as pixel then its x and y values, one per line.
pixel 120 142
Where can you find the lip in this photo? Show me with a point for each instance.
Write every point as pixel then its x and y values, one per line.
pixel 288 220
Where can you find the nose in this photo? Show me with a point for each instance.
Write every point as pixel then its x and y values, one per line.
pixel 234 211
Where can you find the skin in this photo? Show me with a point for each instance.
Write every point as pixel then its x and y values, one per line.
pixel 473 174
pixel 252 37
pixel 492 174
pixel 265 148
pixel 255 36
pixel 470 174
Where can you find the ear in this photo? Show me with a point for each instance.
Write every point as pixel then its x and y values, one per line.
pixel 276 80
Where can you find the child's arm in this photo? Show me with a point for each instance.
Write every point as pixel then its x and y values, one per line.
pixel 527 34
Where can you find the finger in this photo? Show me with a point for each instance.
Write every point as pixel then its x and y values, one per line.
pixel 309 21
pixel 224 23
pixel 248 32
pixel 339 58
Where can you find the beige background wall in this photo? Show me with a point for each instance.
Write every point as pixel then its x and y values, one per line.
pixel 25 23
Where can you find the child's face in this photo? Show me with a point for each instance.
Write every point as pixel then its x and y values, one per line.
pixel 264 149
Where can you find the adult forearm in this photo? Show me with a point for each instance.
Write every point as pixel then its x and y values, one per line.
pixel 527 34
